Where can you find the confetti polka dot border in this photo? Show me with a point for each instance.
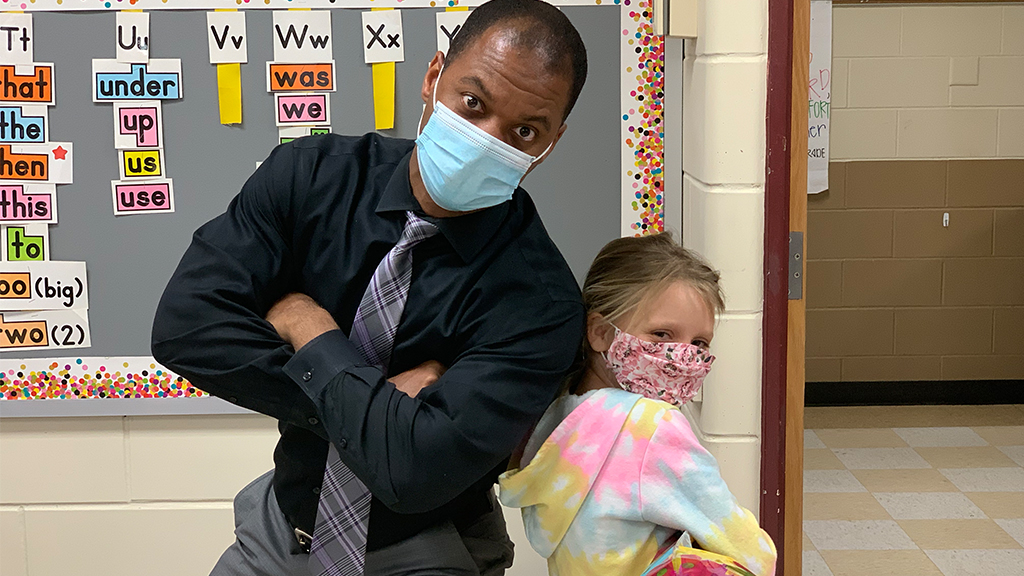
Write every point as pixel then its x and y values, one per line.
pixel 91 378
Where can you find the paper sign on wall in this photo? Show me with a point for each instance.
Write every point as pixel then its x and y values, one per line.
pixel 16 36
pixel 26 123
pixel 50 162
pixel 141 164
pixel 133 37
pixel 819 93
pixel 48 330
pixel 382 36
pixel 151 197
pixel 25 242
pixel 288 133
pixel 43 286
pixel 302 36
pixel 159 79
pixel 26 85
pixel 448 25
pixel 303 109
pixel 28 203
pixel 226 34
pixel 300 77
pixel 138 125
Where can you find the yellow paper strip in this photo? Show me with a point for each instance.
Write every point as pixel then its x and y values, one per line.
pixel 229 92
pixel 457 9
pixel 383 92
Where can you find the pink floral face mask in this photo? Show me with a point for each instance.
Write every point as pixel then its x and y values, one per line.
pixel 668 371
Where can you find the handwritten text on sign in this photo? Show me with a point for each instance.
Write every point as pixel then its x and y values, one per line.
pixel 52 329
pixel 52 285
pixel 28 203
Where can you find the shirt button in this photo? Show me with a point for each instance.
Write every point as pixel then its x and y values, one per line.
pixel 342 443
pixel 316 490
pixel 232 399
pixel 307 376
pixel 313 421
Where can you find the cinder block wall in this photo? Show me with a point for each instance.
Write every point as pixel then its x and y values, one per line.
pixel 927 120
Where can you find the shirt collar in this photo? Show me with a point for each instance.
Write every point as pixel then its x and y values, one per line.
pixel 467 234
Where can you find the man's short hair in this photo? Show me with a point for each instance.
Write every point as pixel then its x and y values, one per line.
pixel 538 26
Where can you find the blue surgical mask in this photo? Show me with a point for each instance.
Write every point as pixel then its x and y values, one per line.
pixel 463 167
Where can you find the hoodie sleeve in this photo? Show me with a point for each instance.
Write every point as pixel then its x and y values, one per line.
pixel 682 488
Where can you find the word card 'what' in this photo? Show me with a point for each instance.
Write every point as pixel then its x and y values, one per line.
pixel 304 109
pixel 133 37
pixel 153 197
pixel 28 203
pixel 382 36
pixel 50 162
pixel 47 330
pixel 26 243
pixel 23 124
pixel 160 79
pixel 289 77
pixel 226 35
pixel 31 84
pixel 448 25
pixel 302 36
pixel 288 133
pixel 141 164
pixel 138 125
pixel 43 286
pixel 16 38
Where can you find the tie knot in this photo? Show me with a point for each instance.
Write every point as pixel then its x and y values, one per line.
pixel 416 230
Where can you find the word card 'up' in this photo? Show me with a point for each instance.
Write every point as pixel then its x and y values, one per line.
pixel 151 197
pixel 31 84
pixel 227 37
pixel 28 204
pixel 16 38
pixel 141 164
pixel 133 37
pixel 301 36
pixel 25 243
pixel 382 36
pixel 26 123
pixel 47 330
pixel 303 109
pixel 43 286
pixel 159 79
pixel 50 162
pixel 448 25
pixel 300 77
pixel 138 125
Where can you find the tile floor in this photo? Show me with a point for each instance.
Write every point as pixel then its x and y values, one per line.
pixel 914 491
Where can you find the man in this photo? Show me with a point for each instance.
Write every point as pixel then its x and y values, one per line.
pixel 439 273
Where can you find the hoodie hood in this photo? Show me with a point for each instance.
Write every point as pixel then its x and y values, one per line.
pixel 565 455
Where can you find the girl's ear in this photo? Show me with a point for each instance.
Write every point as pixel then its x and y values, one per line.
pixel 600 332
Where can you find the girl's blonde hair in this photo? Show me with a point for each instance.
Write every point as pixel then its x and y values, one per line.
pixel 629 271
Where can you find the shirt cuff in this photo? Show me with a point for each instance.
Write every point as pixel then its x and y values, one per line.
pixel 320 360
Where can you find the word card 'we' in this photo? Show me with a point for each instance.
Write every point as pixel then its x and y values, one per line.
pixel 382 36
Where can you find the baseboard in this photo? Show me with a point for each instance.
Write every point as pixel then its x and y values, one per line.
pixel 911 393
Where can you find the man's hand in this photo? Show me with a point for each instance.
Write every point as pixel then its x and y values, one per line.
pixel 298 319
pixel 418 378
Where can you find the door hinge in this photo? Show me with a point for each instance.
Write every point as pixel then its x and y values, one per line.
pixel 796 265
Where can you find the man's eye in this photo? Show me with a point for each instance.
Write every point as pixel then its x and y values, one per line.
pixel 471 102
pixel 526 133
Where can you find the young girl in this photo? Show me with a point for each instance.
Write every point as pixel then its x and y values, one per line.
pixel 613 473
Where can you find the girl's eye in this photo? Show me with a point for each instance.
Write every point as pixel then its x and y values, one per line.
pixel 701 344
pixel 661 334
pixel 526 133
pixel 471 102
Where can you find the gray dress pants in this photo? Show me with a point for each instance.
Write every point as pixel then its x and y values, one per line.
pixel 265 544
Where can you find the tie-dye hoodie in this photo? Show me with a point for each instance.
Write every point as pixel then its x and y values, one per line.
pixel 611 477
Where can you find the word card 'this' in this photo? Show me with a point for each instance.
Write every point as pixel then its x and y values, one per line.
pixel 448 25
pixel 132 37
pixel 226 35
pixel 16 38
pixel 301 36
pixel 382 36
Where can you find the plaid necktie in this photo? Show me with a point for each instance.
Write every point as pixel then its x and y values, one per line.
pixel 339 538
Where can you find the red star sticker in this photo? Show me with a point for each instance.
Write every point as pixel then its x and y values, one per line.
pixel 59 153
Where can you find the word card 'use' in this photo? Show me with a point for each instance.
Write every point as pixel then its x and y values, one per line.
pixel 28 204
pixel 226 31
pixel 50 162
pixel 47 330
pixel 300 77
pixel 303 109
pixel 301 36
pixel 138 125
pixel 15 38
pixel 25 123
pixel 21 84
pixel 141 164
pixel 25 243
pixel 150 197
pixel 43 286
pixel 448 25
pixel 382 36
pixel 133 37
pixel 159 79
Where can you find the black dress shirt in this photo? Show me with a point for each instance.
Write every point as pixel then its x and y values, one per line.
pixel 491 298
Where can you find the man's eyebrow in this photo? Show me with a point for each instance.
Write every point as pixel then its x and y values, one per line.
pixel 476 81
pixel 543 120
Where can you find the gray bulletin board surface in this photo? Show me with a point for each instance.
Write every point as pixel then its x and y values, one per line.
pixel 130 258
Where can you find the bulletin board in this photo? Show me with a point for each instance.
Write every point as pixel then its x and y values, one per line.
pixel 604 179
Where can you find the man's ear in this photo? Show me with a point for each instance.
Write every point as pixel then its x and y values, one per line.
pixel 600 332
pixel 433 71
